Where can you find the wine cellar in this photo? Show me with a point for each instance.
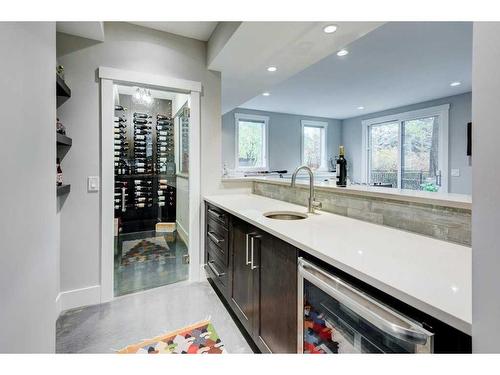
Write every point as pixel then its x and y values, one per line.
pixel 144 157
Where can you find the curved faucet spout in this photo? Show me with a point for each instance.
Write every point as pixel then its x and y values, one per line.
pixel 312 201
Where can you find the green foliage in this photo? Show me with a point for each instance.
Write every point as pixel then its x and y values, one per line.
pixel 250 138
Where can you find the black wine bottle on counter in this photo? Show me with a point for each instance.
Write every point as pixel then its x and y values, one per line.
pixel 120 108
pixel 341 168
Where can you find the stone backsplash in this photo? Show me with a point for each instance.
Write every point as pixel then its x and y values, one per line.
pixel 443 223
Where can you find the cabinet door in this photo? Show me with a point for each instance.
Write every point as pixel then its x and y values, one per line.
pixel 275 328
pixel 242 285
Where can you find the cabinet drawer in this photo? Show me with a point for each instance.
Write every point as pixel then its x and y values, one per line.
pixel 217 271
pixel 218 238
pixel 215 213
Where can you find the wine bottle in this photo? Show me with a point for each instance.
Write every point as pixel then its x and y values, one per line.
pixel 120 108
pixel 341 168
pixel 139 136
pixel 161 204
pixel 119 119
pixel 141 121
pixel 59 176
pixel 141 115
pixel 164 122
pixel 159 116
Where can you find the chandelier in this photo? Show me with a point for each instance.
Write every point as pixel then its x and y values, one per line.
pixel 143 96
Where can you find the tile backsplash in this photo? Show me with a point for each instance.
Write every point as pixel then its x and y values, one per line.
pixel 443 223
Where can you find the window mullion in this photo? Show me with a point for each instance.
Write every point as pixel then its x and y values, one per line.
pixel 400 154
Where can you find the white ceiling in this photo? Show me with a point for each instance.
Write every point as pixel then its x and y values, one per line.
pixel 397 64
pixel 89 30
pixel 195 30
pixel 291 46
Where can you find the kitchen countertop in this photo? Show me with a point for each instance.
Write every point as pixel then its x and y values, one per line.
pixel 426 197
pixel 431 275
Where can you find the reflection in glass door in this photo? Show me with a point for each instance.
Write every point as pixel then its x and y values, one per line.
pixel 149 252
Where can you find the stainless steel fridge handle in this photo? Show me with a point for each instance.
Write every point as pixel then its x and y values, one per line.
pixel 364 306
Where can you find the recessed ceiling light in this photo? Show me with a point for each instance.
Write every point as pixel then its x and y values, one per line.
pixel 342 52
pixel 330 29
pixel 361 107
pixel 266 93
pixel 272 69
pixel 456 83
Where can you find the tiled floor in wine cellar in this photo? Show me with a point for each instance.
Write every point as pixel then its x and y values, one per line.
pixel 145 260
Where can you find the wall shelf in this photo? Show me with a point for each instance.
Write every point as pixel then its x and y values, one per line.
pixel 63 189
pixel 63 91
pixel 63 140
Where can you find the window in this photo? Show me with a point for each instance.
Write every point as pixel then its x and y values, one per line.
pixel 251 142
pixel 314 144
pixel 408 150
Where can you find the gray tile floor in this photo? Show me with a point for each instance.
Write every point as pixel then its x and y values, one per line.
pixel 158 261
pixel 134 317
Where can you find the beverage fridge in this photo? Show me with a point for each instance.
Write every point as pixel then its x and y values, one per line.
pixel 337 317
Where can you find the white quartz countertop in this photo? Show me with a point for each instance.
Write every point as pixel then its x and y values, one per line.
pixel 426 197
pixel 431 275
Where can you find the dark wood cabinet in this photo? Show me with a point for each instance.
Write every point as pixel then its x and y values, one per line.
pixel 258 279
pixel 242 277
pixel 276 324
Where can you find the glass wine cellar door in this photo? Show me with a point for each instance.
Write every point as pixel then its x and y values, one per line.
pixel 335 317
pixel 148 250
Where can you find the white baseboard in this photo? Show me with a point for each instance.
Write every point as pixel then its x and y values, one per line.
pixel 78 298
pixel 182 233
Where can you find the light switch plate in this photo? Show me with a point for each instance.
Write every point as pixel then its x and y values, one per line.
pixel 92 184
pixel 455 172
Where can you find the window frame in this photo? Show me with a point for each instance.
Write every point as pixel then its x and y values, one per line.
pixel 252 118
pixel 441 111
pixel 323 125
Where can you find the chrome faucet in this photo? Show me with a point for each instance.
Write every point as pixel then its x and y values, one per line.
pixel 312 204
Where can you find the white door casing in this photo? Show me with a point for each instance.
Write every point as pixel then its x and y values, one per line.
pixel 108 77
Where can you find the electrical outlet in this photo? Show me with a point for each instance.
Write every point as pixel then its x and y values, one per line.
pixel 455 172
pixel 92 184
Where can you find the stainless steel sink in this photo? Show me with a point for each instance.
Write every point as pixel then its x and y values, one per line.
pixel 285 215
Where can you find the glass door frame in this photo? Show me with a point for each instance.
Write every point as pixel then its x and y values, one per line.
pixel 107 78
pixel 441 112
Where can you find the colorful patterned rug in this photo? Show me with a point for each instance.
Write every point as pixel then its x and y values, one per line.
pixel 199 338
pixel 148 249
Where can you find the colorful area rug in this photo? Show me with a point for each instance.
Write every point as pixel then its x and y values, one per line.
pixel 148 249
pixel 199 338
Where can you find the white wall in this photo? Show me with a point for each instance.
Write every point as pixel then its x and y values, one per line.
pixel 460 115
pixel 28 228
pixel 133 48
pixel 182 207
pixel 485 188
pixel 284 138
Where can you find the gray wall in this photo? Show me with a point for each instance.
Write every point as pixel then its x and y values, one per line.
pixel 28 228
pixel 284 138
pixel 134 48
pixel 485 189
pixel 460 115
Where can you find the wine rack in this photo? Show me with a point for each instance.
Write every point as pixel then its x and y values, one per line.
pixel 145 173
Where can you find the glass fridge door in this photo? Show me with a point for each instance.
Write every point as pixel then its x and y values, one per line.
pixel 334 317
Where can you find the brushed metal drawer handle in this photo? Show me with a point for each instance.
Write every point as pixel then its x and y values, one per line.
pixel 212 267
pixel 215 213
pixel 215 239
